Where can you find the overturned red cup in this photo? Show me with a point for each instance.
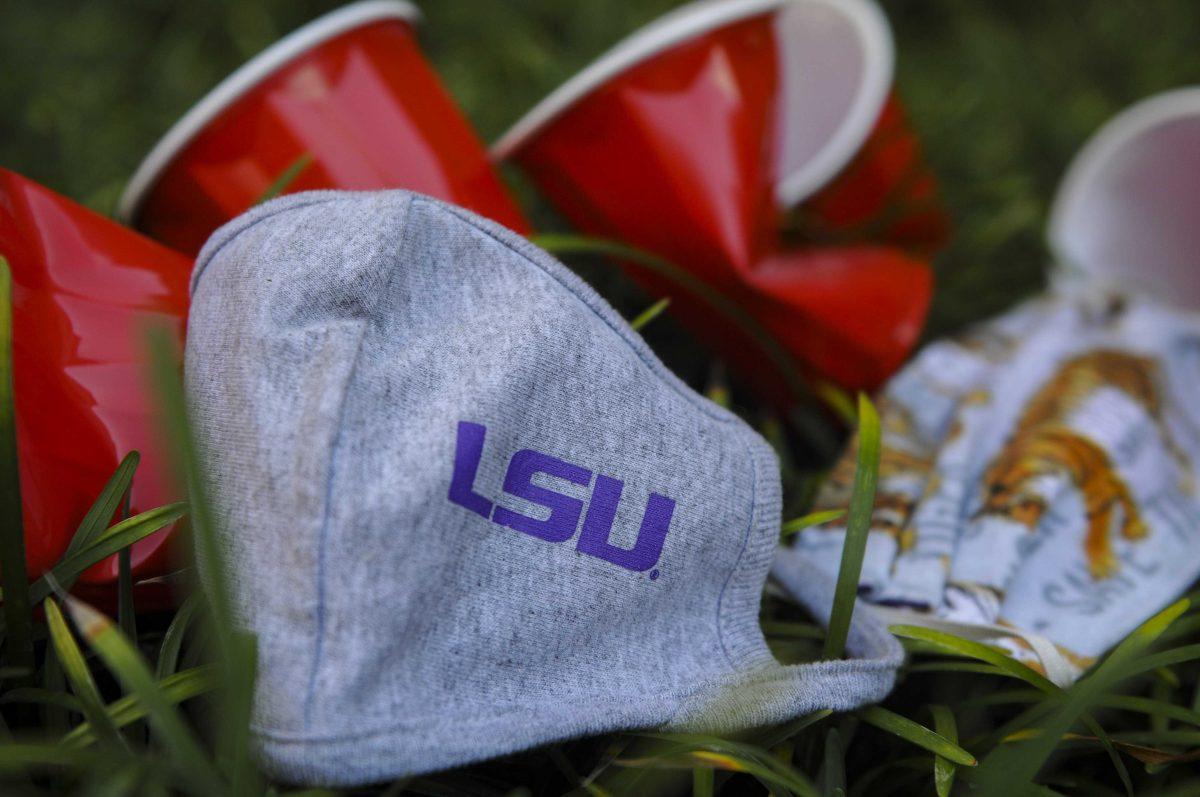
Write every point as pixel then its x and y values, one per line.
pixel 347 101
pixel 84 292
pixel 758 145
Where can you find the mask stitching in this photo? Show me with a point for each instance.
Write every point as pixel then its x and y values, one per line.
pixel 849 669
pixel 323 537
pixel 232 229
pixel 751 523
pixel 587 295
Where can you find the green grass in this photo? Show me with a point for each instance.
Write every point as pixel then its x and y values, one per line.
pixel 167 711
pixel 1003 94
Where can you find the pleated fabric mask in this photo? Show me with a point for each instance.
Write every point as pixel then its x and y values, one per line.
pixel 1039 476
pixel 467 511
pixel 1038 484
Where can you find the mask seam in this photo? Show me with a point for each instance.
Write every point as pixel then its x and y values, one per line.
pixel 738 643
pixel 741 637
pixel 335 447
pixel 867 631
pixel 747 647
pixel 227 232
pixel 842 667
pixel 750 524
pixel 749 651
pixel 586 295
pixel 582 292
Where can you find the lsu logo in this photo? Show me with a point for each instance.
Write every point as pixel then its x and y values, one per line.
pixel 565 511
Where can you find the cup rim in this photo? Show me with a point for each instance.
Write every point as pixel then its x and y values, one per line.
pixel 1097 154
pixel 700 17
pixel 244 79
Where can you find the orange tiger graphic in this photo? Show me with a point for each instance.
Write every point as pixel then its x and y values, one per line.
pixel 902 453
pixel 892 508
pixel 1043 445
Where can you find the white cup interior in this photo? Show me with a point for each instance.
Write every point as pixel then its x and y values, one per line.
pixel 1128 214
pixel 835 73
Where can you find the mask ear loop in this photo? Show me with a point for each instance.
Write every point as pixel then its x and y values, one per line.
pixel 762 691
pixel 1059 670
pixel 799 581
pixel 794 577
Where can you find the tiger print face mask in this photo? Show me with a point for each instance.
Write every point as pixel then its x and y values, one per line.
pixel 1038 481
pixel 1038 478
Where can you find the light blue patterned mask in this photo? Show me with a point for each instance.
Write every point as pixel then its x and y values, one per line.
pixel 1039 476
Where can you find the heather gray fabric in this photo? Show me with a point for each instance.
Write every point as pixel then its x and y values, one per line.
pixel 371 372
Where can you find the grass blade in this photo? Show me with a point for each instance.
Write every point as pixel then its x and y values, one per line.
pixel 1111 750
pixel 917 734
pixel 102 510
pixel 176 688
pixel 22 756
pixel 699 750
pixel 833 773
pixel 810 520
pixel 707 759
pixel 650 313
pixel 943 768
pixel 1164 658
pixel 126 616
pixel 82 684
pixel 972 667
pixel 121 782
pixel 239 701
pixel 168 653
pixel 42 697
pixel 54 718
pixel 784 629
pixel 1179 738
pixel 1132 703
pixel 285 178
pixel 838 400
pixel 1152 708
pixel 1016 765
pixel 949 643
pixel 773 736
pixel 130 669
pixel 862 506
pixel 14 578
pixel 165 370
pixel 122 535
pixel 236 651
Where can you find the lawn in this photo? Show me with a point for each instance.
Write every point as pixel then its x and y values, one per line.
pixel 1003 94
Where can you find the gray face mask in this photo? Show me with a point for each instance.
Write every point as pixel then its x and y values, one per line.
pixel 467 511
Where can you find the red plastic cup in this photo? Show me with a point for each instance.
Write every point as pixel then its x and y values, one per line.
pixel 347 101
pixel 756 144
pixel 84 291
pixel 1127 217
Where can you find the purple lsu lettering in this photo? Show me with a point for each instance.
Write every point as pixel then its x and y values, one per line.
pixel 565 511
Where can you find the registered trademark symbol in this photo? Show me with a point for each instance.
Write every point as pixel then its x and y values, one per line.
pixel 654 575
